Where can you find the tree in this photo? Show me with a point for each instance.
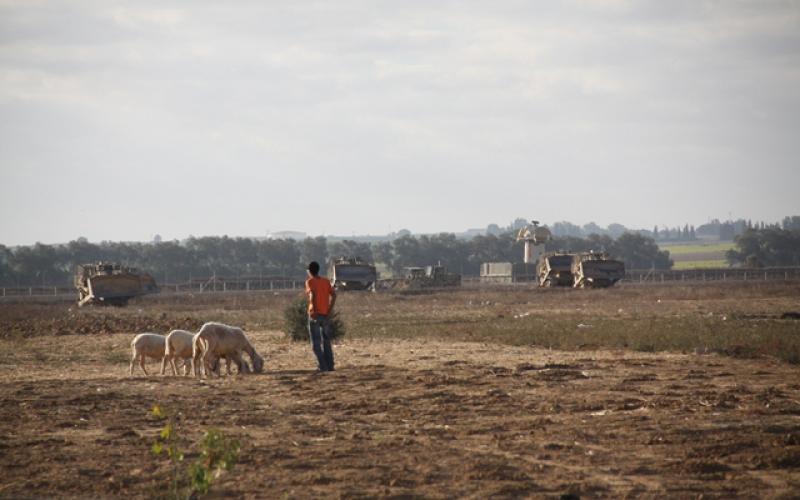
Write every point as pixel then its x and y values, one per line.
pixel 350 248
pixel 639 252
pixel 565 228
pixel 616 230
pixel 39 265
pixel 6 269
pixel 791 223
pixel 406 253
pixel 383 253
pixel 592 228
pixel 493 229
pixel 279 257
pixel 314 249
pixel 766 247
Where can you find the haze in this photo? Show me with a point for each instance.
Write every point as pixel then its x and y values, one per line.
pixel 121 120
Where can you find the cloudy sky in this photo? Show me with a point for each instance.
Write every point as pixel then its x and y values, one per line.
pixel 121 120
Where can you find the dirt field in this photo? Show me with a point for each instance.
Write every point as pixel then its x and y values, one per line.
pixel 424 403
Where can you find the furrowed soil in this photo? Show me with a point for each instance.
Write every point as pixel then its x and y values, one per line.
pixel 506 392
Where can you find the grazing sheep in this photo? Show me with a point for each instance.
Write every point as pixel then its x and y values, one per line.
pixel 144 345
pixel 178 344
pixel 215 340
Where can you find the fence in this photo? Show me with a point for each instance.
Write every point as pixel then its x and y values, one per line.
pixel 701 275
pixel 212 285
pixel 223 285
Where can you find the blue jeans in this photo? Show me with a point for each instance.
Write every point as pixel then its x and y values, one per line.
pixel 319 330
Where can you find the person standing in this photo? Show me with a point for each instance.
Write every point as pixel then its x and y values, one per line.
pixel 321 298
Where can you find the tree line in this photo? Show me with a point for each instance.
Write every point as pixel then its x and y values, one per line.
pixel 201 258
pixel 769 246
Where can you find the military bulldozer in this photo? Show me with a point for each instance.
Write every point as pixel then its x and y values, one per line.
pixel 430 277
pixel 582 270
pixel 352 273
pixel 555 269
pixel 111 284
pixel 596 270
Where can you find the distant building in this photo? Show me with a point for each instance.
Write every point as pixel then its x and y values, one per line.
pixel 287 235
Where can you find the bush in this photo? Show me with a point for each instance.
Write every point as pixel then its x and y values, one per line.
pixel 295 324
pixel 218 453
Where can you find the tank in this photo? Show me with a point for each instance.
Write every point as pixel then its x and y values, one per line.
pixel 555 269
pixel 352 273
pixel 430 277
pixel 596 270
pixel 111 284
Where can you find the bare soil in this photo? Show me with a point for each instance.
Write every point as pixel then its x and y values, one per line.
pixel 412 417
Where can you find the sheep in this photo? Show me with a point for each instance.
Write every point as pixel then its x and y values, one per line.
pixel 178 344
pixel 215 340
pixel 147 344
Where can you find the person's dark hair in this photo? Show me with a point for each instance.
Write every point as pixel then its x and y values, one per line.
pixel 314 268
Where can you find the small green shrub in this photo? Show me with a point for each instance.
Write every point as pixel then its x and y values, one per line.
pixel 295 321
pixel 217 454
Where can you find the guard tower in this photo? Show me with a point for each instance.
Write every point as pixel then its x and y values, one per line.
pixel 534 237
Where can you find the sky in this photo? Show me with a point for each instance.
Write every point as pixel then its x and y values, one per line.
pixel 123 120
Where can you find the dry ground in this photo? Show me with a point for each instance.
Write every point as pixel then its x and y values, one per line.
pixel 412 412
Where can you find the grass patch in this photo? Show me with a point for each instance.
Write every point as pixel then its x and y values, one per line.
pixel 741 338
pixel 677 318
pixel 700 264
pixel 684 248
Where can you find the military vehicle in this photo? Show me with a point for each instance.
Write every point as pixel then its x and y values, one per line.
pixel 431 277
pixel 352 273
pixel 555 269
pixel 111 284
pixel 580 270
pixel 596 270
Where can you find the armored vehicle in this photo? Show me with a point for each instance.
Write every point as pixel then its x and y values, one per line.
pixel 111 284
pixel 555 269
pixel 352 273
pixel 431 276
pixel 596 270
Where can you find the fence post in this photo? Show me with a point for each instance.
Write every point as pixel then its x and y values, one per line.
pixel 247 286
pixel 224 286
pixel 745 275
pixel 765 275
pixel 30 290
pixel 55 291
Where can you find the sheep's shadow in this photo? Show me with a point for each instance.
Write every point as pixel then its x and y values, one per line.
pixel 287 373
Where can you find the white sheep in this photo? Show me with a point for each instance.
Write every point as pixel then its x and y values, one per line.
pixel 214 341
pixel 147 345
pixel 178 344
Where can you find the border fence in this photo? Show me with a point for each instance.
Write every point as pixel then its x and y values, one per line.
pixel 724 274
pixel 218 284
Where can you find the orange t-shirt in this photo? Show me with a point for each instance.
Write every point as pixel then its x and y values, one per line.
pixel 322 295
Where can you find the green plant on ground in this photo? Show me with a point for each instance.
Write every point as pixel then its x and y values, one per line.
pixel 295 321
pixel 217 454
